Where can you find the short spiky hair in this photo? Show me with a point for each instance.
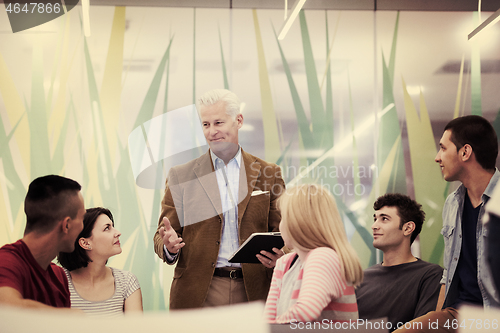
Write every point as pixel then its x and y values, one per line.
pixel 408 210
pixel 50 199
pixel 479 134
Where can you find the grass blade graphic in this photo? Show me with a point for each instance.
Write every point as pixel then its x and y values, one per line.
pixel 426 175
pixel 315 100
pixel 302 121
pixel 271 138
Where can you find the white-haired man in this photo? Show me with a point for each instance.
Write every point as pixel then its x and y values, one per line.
pixel 211 205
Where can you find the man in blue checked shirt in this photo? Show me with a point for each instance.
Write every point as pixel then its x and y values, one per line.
pixel 211 205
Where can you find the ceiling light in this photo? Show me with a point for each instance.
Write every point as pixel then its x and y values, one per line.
pixel 414 90
pixel 494 18
pixel 288 23
pixel 86 17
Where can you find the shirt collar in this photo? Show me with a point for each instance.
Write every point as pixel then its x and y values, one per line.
pixel 491 185
pixel 236 157
pixel 488 192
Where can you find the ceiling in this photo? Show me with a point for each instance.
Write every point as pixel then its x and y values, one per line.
pixel 416 5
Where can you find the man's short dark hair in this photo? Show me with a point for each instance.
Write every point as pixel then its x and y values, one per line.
pixel 79 257
pixel 479 134
pixel 50 199
pixel 408 210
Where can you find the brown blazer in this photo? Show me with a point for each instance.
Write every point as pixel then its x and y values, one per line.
pixel 193 206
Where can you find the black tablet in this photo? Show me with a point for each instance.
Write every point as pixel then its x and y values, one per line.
pixel 257 242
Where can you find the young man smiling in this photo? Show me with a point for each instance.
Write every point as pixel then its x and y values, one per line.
pixel 402 287
pixel 468 152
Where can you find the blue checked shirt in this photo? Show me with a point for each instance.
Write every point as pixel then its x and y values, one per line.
pixel 229 198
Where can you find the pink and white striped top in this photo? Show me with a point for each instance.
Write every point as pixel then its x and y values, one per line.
pixel 319 291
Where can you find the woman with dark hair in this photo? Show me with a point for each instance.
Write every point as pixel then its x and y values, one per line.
pixel 95 288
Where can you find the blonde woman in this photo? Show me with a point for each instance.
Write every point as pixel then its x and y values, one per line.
pixel 95 288
pixel 317 280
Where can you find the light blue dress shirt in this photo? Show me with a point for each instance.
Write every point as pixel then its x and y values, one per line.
pixel 228 179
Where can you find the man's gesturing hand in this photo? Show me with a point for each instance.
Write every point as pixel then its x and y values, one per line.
pixel 172 242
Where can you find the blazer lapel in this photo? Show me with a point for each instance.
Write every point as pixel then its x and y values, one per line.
pixel 205 174
pixel 249 173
